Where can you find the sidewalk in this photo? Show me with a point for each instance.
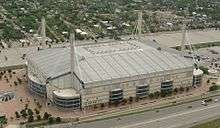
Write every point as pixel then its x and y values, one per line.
pixel 12 126
pixel 112 114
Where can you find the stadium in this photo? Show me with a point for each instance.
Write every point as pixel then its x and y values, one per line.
pixel 78 77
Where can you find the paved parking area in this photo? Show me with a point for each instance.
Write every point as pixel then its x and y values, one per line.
pixel 210 57
pixel 195 37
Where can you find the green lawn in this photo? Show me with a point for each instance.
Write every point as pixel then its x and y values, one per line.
pixel 211 124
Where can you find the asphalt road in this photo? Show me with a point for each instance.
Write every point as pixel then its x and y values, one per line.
pixel 171 117
pixel 179 119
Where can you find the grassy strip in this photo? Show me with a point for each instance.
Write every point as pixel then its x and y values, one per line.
pixel 212 124
pixel 126 114
pixel 201 45
pixel 205 45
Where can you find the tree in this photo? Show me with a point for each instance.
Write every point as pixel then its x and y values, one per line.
pixel 204 69
pixel 124 101
pixel 19 80
pixel 175 90
pixel 38 117
pixel 151 95
pixel 159 48
pixel 213 88
pixel 187 89
pixel 95 106
pixel 9 71
pixel 51 120
pixel 38 105
pixel 11 118
pixel 7 80
pixel 15 83
pixel 163 94
pixel 17 115
pixel 46 116
pixel 30 118
pixel 37 111
pixel 58 119
pixel 156 94
pixel 3 121
pixel 77 119
pixel 130 99
pixel 208 81
pixel 26 106
pixel 30 112
pixel 136 99
pixel 9 32
pixel 181 89
pixel 6 99
pixel 23 113
pixel 102 105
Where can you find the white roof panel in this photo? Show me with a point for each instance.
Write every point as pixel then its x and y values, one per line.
pixel 106 61
pixel 125 65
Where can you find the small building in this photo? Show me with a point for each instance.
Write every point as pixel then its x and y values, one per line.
pixel 197 77
pixel 213 73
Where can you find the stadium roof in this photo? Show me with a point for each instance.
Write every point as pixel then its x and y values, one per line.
pixel 107 61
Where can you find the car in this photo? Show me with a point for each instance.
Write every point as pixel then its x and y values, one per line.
pixel 189 106
pixel 203 103
pixel 216 100
pixel 208 100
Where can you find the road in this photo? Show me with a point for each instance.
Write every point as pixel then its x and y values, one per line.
pixel 179 116
pixel 181 119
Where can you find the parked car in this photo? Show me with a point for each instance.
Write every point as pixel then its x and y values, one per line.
pixel 216 100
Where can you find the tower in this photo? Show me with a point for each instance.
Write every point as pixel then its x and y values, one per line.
pixel 75 71
pixel 139 27
pixel 43 30
pixel 197 5
pixel 183 43
pixel 72 57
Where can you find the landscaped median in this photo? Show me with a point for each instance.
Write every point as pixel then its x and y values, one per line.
pixel 117 113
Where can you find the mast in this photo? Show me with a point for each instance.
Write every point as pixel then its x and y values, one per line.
pixel 72 58
pixel 183 37
pixel 184 29
pixel 43 30
pixel 139 27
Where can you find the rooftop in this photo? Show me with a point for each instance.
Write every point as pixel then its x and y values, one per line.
pixel 107 61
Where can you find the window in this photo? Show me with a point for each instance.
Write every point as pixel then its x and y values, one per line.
pixel 116 95
pixel 142 91
pixel 197 80
pixel 167 87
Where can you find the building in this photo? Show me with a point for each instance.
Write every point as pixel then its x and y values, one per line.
pixel 106 73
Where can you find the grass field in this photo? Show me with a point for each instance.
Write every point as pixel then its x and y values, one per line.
pixel 202 45
pixel 211 124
